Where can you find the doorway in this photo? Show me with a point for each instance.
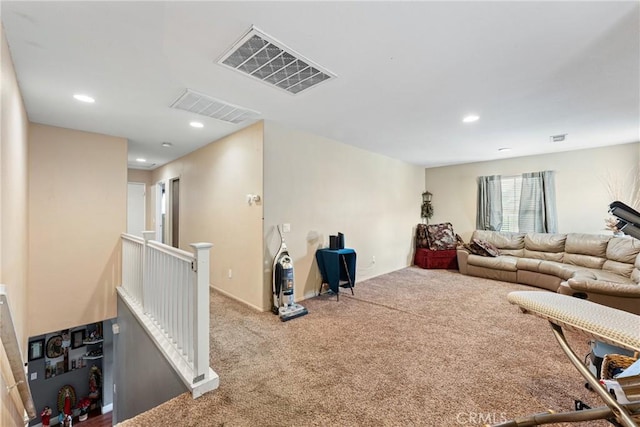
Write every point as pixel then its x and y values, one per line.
pixel 161 212
pixel 175 212
pixel 136 208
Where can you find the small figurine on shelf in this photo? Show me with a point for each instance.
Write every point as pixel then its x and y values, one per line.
pixel 95 335
pixel 66 420
pixel 45 416
pixel 67 402
pixel 95 379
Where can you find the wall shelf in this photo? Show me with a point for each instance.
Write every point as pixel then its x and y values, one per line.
pixel 92 357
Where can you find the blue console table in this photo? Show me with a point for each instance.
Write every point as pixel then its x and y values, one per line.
pixel 337 265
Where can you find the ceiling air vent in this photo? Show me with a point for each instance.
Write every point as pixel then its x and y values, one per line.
pixel 204 105
pixel 264 58
pixel 141 165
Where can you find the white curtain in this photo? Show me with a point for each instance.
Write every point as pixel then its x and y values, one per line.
pixel 489 214
pixel 537 211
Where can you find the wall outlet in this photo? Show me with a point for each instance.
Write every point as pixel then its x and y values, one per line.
pixel 286 228
pixel 34 376
pixel 373 259
pixel 230 274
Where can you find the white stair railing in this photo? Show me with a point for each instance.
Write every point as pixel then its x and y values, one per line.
pixel 11 347
pixel 168 289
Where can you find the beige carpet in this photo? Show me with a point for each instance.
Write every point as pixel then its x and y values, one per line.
pixel 413 347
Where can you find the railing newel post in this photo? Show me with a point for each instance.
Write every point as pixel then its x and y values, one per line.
pixel 201 311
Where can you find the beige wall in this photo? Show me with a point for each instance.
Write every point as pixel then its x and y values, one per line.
pixel 214 182
pixel 77 197
pixel 144 176
pixel 581 195
pixel 322 187
pixel 13 220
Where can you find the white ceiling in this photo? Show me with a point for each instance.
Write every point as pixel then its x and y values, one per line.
pixel 407 72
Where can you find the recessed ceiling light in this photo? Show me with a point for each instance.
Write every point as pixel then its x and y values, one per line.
pixel 167 144
pixel 141 160
pixel 470 118
pixel 84 98
pixel 503 149
pixel 196 124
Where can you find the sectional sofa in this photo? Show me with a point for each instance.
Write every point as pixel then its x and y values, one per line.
pixel 603 269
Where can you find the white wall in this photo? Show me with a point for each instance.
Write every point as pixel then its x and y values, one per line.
pixel 214 182
pixel 581 195
pixel 13 222
pixel 322 187
pixel 77 212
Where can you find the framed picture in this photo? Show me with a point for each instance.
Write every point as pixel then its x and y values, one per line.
pixel 54 347
pixel 36 349
pixel 77 337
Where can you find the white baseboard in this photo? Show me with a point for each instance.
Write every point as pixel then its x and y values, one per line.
pixel 309 295
pixel 227 294
pixel 107 408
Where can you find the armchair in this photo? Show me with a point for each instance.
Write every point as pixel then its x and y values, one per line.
pixel 436 246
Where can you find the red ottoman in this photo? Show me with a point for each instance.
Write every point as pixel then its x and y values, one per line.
pixel 427 258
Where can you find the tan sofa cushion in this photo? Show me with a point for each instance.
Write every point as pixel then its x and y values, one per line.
pixel 621 268
pixel 544 242
pixel 508 243
pixel 587 244
pixel 544 246
pixel 512 252
pixel 528 264
pixel 629 290
pixel 507 263
pixel 548 256
pixel 562 270
pixel 587 261
pixel 635 274
pixel 621 254
pixel 623 249
pixel 501 240
pixel 609 276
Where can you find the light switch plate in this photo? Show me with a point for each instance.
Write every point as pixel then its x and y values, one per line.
pixel 34 376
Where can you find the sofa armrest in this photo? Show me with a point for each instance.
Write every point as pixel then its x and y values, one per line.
pixel 604 287
pixel 462 255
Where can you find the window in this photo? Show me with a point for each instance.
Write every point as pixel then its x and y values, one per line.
pixel 511 186
pixel 520 203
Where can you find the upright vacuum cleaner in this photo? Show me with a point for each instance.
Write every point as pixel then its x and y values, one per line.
pixel 283 304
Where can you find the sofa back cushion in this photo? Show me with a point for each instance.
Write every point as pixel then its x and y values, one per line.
pixel 635 274
pixel 621 254
pixel 545 246
pixel 623 249
pixel 586 250
pixel 507 242
pixel 587 244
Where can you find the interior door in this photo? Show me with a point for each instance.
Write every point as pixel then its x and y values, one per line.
pixel 175 212
pixel 161 212
pixel 135 208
